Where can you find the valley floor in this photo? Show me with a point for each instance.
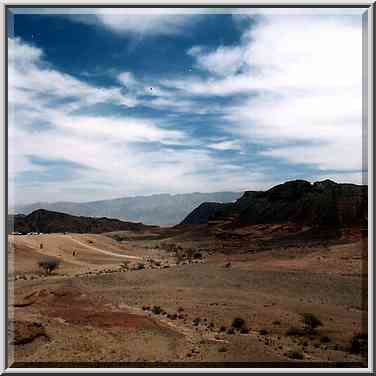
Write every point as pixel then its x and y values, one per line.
pixel 174 300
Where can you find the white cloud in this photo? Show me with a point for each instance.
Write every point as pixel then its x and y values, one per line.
pixel 30 78
pixel 223 61
pixel 139 22
pixel 226 145
pixel 118 156
pixel 301 83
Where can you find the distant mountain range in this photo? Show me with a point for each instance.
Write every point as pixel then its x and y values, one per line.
pixel 324 203
pixel 321 205
pixel 160 209
pixel 44 221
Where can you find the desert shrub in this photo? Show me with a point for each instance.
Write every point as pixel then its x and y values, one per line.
pixel 295 355
pixel 222 329
pixel 325 339
pixel 276 322
pixel 311 321
pixel 238 323
pixel 231 331
pixel 244 330
pixel 294 331
pixel 263 332
pixel 359 344
pixel 139 266
pixel 197 256
pixel 48 265
pixel 124 265
pixel 119 238
pixel 170 247
pixel 196 321
pixel 156 310
pixel 222 349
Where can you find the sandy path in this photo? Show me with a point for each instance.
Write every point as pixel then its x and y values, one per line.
pixel 103 251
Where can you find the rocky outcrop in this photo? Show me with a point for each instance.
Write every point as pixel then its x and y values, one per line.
pixel 323 203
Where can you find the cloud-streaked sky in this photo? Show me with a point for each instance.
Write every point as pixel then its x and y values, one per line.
pixel 131 102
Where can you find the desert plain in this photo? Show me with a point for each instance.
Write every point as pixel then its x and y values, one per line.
pixel 190 295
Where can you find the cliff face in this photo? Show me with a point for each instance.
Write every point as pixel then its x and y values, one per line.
pixel 324 203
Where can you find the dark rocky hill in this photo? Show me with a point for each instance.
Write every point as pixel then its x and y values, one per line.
pixel 206 212
pixel 324 203
pixel 48 222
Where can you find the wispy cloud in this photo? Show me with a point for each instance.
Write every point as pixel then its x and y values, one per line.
pixel 138 22
pixel 299 79
pixel 114 155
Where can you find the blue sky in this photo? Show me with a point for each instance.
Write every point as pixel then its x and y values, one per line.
pixel 131 102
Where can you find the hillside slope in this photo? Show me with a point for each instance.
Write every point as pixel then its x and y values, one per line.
pixel 49 222
pixel 299 201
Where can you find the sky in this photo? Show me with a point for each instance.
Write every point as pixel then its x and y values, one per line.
pixel 107 103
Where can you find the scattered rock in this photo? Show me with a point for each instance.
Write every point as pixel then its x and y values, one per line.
pixel 23 332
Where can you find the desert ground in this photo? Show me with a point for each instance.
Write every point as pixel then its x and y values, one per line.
pixel 189 295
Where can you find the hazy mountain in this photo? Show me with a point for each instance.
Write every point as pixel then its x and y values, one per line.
pixel 322 203
pixel 157 209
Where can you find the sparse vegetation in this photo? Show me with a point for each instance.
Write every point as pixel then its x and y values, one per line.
pixel 325 339
pixel 222 329
pixel 196 321
pixel 139 266
pixel 156 310
pixel 294 331
pixel 263 332
pixel 358 344
pixel 125 265
pixel 295 355
pixel 311 322
pixel 48 265
pixel 238 323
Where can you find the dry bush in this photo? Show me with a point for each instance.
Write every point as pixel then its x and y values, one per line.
pixel 311 322
pixel 48 265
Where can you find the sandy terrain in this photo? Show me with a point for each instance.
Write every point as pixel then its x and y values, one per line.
pixel 95 308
